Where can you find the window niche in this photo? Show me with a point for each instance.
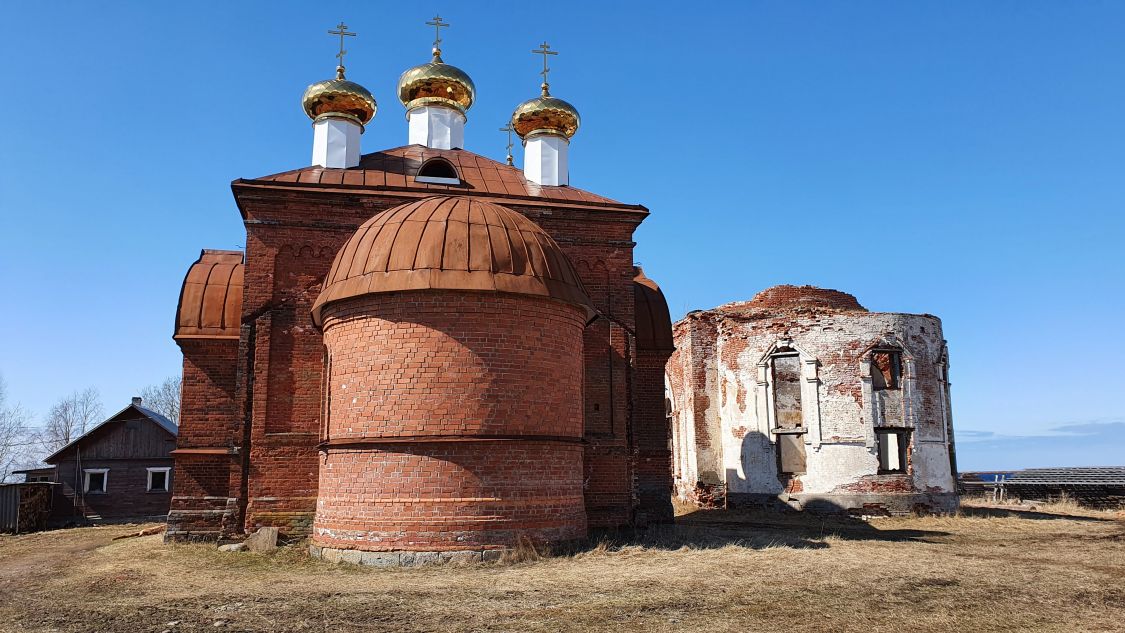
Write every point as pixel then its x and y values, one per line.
pixel 885 374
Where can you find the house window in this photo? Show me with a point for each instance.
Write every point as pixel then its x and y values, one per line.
pixel 893 445
pixel 886 370
pixel 158 479
pixel 95 480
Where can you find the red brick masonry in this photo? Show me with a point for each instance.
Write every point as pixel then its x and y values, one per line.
pixel 454 422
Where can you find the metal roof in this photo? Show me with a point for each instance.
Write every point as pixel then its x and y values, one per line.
pixel 451 243
pixel 1077 476
pixel 211 297
pixel 654 325
pixel 148 414
pixel 397 168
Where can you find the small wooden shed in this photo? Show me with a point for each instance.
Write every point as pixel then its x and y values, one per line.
pixel 24 507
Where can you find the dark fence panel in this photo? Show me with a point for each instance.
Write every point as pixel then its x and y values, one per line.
pixel 9 507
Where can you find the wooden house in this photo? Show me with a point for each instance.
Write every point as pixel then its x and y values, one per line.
pixel 119 470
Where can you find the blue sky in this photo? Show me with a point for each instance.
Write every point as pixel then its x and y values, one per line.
pixel 964 159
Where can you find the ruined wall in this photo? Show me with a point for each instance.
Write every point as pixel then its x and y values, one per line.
pixel 796 400
pixel 696 433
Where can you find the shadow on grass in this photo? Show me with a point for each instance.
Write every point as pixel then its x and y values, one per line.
pixel 1018 513
pixel 757 529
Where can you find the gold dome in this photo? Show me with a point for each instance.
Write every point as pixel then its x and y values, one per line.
pixel 339 98
pixel 436 83
pixel 545 115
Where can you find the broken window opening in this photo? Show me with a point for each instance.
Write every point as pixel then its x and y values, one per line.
pixel 886 370
pixel 788 413
pixel 789 423
pixel 893 445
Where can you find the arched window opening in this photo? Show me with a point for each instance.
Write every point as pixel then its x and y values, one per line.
pixel 438 171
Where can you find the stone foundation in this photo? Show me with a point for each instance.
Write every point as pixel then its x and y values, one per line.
pixel 403 559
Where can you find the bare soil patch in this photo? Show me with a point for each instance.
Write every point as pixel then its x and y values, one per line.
pixel 989 569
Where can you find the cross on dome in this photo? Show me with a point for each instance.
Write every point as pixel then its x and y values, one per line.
pixel 342 31
pixel 544 50
pixel 509 129
pixel 437 24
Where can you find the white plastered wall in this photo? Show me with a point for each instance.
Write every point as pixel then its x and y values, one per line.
pixel 546 161
pixel 336 143
pixel 437 127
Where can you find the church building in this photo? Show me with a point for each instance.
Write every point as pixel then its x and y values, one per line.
pixel 423 352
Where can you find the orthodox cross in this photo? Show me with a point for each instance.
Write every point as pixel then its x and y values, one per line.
pixel 342 32
pixel 544 50
pixel 509 129
pixel 437 24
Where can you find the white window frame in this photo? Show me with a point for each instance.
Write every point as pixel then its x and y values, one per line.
pixel 86 472
pixel 167 470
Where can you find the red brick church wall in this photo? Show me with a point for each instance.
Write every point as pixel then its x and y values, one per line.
pixel 205 488
pixel 292 237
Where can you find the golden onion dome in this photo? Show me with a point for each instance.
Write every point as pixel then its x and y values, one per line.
pixel 436 83
pixel 339 98
pixel 545 115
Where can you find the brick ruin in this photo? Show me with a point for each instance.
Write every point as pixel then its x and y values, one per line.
pixel 803 398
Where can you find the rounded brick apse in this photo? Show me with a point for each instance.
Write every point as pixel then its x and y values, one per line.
pixel 786 296
pixel 453 420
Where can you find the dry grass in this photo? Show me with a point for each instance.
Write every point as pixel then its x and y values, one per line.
pixel 989 569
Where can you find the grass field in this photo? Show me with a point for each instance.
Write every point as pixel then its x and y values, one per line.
pixel 1055 568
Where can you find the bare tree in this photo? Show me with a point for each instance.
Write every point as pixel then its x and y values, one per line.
pixel 164 398
pixel 70 417
pixel 15 439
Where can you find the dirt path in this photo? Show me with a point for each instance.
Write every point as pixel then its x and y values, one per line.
pixel 27 558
